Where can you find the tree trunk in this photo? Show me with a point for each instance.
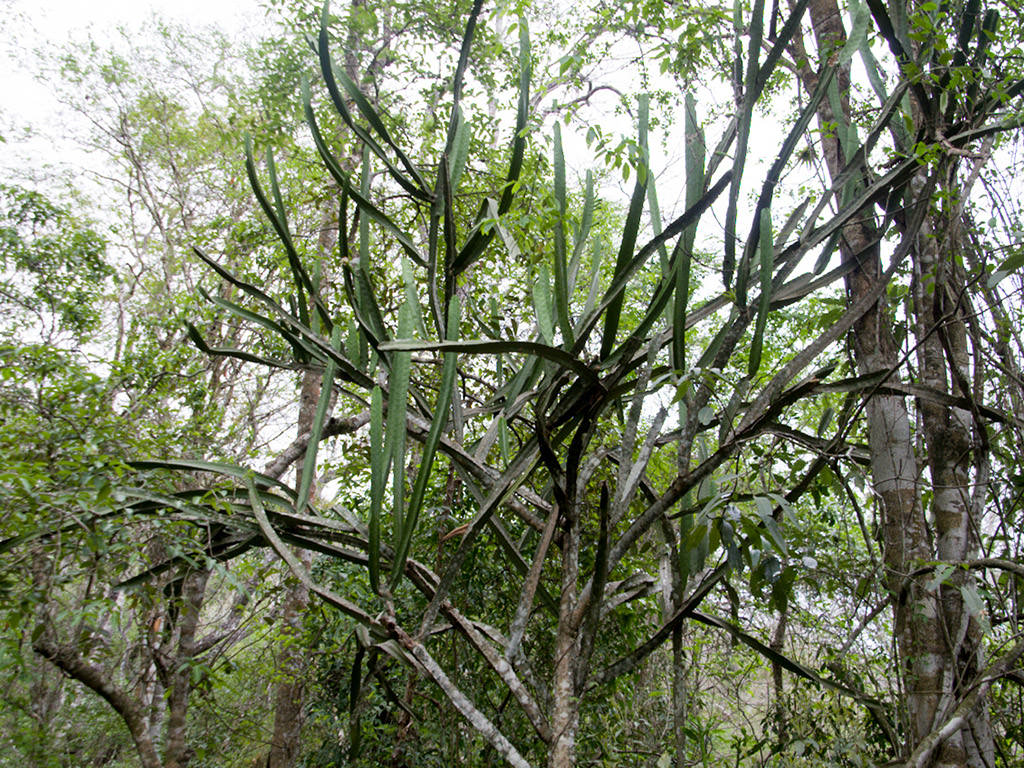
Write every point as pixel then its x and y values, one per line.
pixel 565 706
pixel 923 618
pixel 948 435
pixel 286 741
pixel 176 752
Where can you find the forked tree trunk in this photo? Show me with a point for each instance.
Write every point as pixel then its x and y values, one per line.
pixel 936 640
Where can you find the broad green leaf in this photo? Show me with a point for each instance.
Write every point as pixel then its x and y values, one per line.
pixel 542 305
pixel 694 154
pixel 583 233
pixel 365 206
pixel 488 347
pixel 460 152
pixel 218 468
pixel 302 281
pixel 975 605
pixel 197 339
pixel 765 507
pixel 394 437
pixel 458 79
pixel 743 136
pixel 303 352
pixel 858 35
pixel 479 240
pixel 825 422
pixel 623 279
pixel 1009 265
pixel 417 186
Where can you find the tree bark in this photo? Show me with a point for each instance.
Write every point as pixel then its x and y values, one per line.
pixel 176 753
pixel 948 436
pixel 565 707
pixel 286 741
pixel 67 659
pixel 925 659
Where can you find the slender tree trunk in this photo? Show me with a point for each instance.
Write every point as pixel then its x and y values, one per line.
pixel 948 434
pixel 778 690
pixel 565 706
pixel 286 742
pixel 176 753
pixel 67 659
pixel 894 465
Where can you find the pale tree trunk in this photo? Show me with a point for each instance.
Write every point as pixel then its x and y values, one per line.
pixel 948 434
pixel 671 601
pixel 140 713
pixel 565 705
pixel 68 659
pixel 290 695
pixel 894 466
pixel 778 697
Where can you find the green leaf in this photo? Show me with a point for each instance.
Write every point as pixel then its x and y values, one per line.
pixel 333 74
pixel 695 155
pixel 767 260
pixel 1008 266
pixel 765 507
pixel 542 304
pixel 218 468
pixel 394 437
pixel 825 421
pixel 276 216
pixel 365 206
pixel 437 425
pixel 623 279
pixel 478 241
pixel 630 229
pixel 460 152
pixel 561 294
pixel 858 34
pixel 316 430
pixel 488 347
pixel 583 233
pixel 378 477
pixel 975 605
pixel 743 136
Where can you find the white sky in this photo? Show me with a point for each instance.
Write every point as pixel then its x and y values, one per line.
pixel 57 18
pixel 31 24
